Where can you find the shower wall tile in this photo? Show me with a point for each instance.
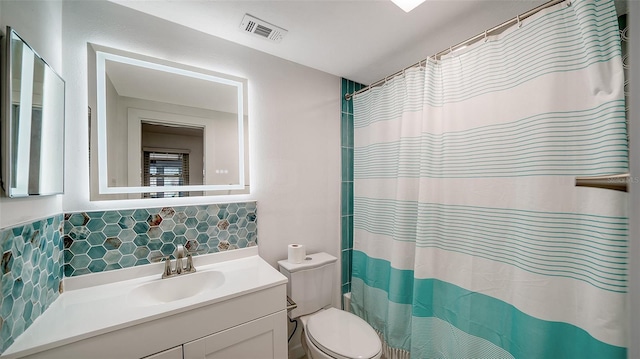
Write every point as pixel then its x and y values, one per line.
pixel 106 240
pixel 346 142
pixel 31 274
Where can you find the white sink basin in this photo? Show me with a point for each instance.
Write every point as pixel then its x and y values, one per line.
pixel 176 288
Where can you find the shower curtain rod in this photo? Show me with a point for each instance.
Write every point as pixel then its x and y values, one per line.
pixel 467 42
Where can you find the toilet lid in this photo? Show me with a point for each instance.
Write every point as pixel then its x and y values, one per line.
pixel 342 334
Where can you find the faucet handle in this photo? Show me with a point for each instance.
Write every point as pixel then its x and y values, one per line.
pixel 190 267
pixel 167 268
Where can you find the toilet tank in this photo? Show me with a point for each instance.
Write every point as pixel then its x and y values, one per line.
pixel 310 282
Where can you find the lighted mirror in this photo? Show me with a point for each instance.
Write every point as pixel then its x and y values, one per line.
pixel 167 130
pixel 32 122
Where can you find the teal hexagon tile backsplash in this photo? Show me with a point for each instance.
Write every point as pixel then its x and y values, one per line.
pixel 106 240
pixel 31 273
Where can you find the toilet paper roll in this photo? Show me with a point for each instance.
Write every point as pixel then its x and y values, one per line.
pixel 297 253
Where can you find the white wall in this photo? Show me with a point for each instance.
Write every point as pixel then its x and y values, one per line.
pixel 294 125
pixel 39 23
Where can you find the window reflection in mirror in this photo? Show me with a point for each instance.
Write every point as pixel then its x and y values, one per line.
pixel 146 107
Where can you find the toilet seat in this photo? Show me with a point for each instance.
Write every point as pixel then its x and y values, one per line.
pixel 343 335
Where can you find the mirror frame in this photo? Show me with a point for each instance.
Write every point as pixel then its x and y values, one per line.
pixel 7 150
pixel 103 188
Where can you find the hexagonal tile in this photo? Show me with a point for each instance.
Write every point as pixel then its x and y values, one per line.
pixel 96 238
pixel 126 222
pixel 212 210
pixel 168 249
pixel 127 261
pixel 154 232
pixel 180 217
pixel 167 224
pixel 80 261
pixel 191 222
pixel 202 215
pixel 242 243
pixel 79 233
pixel 141 240
pixel 202 238
pixel 222 212
pixel 27 291
pixel 111 230
pixel 141 252
pixel 112 256
pixel 141 227
pixel 167 212
pixel 223 235
pixel 154 244
pixel 7 307
pixel 6 262
pixel 167 237
pixel 202 227
pixel 127 235
pixel 96 252
pixel 111 217
pixel 140 215
pixel 241 212
pixel 97 265
pixel 191 233
pixel 127 248
pixel 242 233
pixel 96 225
pixel 179 229
pixel 251 217
pixel 154 220
pixel 223 224
pixel 232 208
pixel 191 246
pixel 79 219
pixel 79 247
pixel 191 211
pixel 223 246
pixel 28 309
pixel 233 228
pixel 112 243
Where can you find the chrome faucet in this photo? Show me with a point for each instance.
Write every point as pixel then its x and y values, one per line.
pixel 179 267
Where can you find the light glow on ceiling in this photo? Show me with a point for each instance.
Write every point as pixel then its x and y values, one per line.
pixel 407 5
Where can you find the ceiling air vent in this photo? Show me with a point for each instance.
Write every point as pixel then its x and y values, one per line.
pixel 262 28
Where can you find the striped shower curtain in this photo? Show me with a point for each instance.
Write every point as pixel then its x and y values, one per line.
pixel 470 238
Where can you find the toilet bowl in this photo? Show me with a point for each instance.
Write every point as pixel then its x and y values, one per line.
pixel 328 333
pixel 336 334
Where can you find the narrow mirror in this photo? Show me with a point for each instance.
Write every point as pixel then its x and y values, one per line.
pixel 32 122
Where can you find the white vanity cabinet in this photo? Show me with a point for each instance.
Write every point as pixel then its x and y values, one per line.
pixel 243 317
pixel 260 338
pixel 236 328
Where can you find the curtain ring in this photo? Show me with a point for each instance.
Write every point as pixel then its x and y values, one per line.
pixel 568 3
pixel 519 24
pixel 485 36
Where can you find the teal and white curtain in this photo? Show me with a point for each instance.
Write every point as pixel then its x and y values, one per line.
pixel 470 237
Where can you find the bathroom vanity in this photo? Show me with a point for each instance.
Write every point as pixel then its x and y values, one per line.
pixel 234 306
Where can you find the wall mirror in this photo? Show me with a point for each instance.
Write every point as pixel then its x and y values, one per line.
pixel 32 118
pixel 166 130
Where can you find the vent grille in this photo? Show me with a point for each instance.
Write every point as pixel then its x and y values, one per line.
pixel 262 29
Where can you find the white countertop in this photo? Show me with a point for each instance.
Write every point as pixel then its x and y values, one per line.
pixel 88 309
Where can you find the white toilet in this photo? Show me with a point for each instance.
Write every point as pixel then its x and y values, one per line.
pixel 328 333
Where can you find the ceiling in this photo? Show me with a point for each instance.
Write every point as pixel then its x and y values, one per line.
pixel 362 40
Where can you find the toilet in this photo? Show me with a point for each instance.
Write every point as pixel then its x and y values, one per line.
pixel 327 333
